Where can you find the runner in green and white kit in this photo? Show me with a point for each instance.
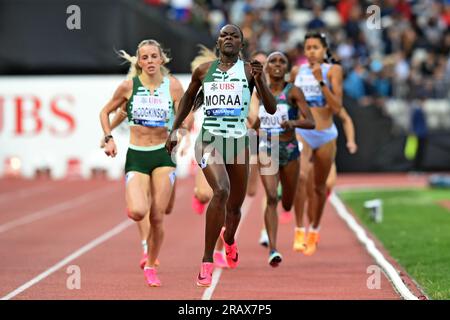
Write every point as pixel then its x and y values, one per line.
pixel 222 146
pixel 150 173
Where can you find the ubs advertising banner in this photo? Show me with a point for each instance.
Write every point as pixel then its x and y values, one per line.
pixel 53 122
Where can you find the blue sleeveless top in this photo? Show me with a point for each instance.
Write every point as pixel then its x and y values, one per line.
pixel 306 81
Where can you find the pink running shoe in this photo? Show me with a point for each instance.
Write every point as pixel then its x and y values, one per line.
pixel 197 205
pixel 144 261
pixel 204 277
pixel 231 252
pixel 219 260
pixel 285 217
pixel 151 277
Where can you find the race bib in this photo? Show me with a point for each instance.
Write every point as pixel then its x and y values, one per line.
pixel 223 99
pixel 272 122
pixel 310 86
pixel 150 111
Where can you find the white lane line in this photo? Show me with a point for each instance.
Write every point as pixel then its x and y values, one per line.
pixel 371 248
pixel 58 208
pixel 91 245
pixel 207 294
pixel 22 193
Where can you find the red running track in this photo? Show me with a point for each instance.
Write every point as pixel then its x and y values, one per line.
pixel 43 222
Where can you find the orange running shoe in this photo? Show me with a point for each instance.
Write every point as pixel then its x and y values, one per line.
pixel 311 243
pixel 299 241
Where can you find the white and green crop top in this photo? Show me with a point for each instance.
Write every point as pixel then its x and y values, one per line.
pixel 150 110
pixel 226 100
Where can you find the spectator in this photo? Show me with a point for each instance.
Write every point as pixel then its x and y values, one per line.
pixel 316 22
pixel 433 31
pixel 344 8
pixel 354 83
pixel 404 8
pixel 352 28
pixel 296 55
pixel 181 10
pixel 420 130
pixel 401 67
pixel 445 16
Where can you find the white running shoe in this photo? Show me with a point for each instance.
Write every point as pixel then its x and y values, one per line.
pixel 264 238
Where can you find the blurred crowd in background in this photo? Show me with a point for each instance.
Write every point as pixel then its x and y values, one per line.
pixel 407 57
pixel 395 55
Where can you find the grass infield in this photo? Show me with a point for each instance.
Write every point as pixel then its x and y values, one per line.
pixel 415 230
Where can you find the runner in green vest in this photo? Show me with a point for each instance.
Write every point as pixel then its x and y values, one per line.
pixel 222 145
pixel 150 97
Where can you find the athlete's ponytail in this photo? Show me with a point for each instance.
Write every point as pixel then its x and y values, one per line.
pixel 331 58
pixel 205 55
pixel 133 71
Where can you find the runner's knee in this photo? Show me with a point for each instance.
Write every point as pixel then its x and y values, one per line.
pixel 137 213
pixel 202 195
pixel 251 191
pixel 156 220
pixel 222 192
pixel 287 202
pixel 233 209
pixel 320 190
pixel 272 199
pixel 302 178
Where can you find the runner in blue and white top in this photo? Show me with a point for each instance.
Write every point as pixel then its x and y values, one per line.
pixel 321 84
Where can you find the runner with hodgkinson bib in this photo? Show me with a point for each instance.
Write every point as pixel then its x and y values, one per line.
pixel 228 79
pixel 150 97
pixel 119 117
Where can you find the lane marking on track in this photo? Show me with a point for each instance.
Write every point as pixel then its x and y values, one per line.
pixel 388 268
pixel 207 294
pixel 91 245
pixel 19 194
pixel 55 209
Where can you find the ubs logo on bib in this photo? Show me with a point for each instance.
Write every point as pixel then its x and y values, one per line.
pixel 222 86
pixel 226 86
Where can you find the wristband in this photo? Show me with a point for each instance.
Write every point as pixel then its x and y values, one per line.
pixel 108 137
